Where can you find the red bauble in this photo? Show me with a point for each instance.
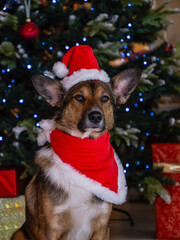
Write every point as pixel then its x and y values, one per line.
pixel 29 30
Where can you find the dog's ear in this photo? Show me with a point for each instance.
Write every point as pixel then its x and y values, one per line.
pixel 124 83
pixel 48 88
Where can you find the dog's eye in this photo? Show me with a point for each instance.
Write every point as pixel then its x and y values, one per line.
pixel 104 99
pixel 79 98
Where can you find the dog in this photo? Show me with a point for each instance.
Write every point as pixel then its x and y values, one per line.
pixel 59 206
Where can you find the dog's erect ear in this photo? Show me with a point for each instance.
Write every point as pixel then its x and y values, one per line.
pixel 48 88
pixel 124 83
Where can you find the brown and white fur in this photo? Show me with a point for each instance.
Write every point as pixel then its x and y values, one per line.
pixel 55 208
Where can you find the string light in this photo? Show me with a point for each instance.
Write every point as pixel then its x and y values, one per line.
pixel 128 54
pixel 127 165
pixel 29 66
pixel 145 62
pixel 144 55
pixel 4 8
pixel 136 105
pixel 137 163
pixel 50 48
pixel 129 4
pixel 129 24
pixel 141 99
pixel 67 47
pixel 92 9
pixel 77 44
pixel 121 40
pixel 142 148
pixel 125 171
pixel 147 134
pixel 151 114
pixel 125 46
pixel 3 71
pixel 13 81
pixel 43 43
pixel 128 37
pixel 9 86
pixel 21 100
pixel 147 166
pixel 53 1
pixel 35 116
pixel 4 100
pixel 127 109
pixel 84 39
pixel 8 69
pixel 143 111
pixel 37 124
pixel 140 94
pixel 1 138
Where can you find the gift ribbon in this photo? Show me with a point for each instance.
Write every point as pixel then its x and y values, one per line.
pixel 169 167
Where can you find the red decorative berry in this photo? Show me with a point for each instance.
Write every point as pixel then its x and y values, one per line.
pixel 29 30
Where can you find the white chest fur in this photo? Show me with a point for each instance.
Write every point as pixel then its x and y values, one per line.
pixel 82 212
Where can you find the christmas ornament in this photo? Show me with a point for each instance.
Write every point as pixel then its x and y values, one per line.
pixel 29 30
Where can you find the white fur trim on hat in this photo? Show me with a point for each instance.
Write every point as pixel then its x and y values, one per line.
pixel 84 75
pixel 60 69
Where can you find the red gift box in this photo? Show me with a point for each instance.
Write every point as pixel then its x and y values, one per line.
pixel 10 183
pixel 168 215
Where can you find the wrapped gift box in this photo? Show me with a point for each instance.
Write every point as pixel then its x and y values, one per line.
pixel 168 215
pixel 10 183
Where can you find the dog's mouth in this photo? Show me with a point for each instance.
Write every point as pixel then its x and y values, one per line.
pixel 89 132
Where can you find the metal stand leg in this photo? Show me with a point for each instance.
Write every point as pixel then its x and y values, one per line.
pixel 126 213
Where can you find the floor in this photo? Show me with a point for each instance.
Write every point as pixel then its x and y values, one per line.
pixel 144 222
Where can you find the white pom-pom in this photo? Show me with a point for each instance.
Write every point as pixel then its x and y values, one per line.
pixel 60 69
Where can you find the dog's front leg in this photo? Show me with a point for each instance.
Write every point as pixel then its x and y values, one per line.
pixel 101 234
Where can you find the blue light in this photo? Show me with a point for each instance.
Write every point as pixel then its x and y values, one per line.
pixel 6 38
pixel 127 109
pixel 157 59
pixel 123 54
pixel 127 164
pixel 142 148
pixel 143 111
pixel 92 9
pixel 29 66
pixel 84 39
pixel 37 124
pixel 140 94
pixel 9 86
pixel 147 134
pixel 141 99
pixel 21 100
pixel 85 0
pixel 128 37
pixel 1 138
pixel 144 55
pixel 50 48
pixel 67 47
pixel 151 114
pixel 128 54
pixel 136 105
pixel 3 100
pixel 145 62
pixel 13 81
pixel 125 46
pixel 125 171
pixel 137 162
pixel 147 166
pixel 43 43
pixel 8 69
pixel 35 116
pixel 129 24
pixel 121 40
pixel 129 4
pixel 122 59
pixel 17 116
pixel 77 44
pixel 53 1
pixel 3 71
pixel 4 8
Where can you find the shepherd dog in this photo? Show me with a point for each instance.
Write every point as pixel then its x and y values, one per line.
pixel 56 208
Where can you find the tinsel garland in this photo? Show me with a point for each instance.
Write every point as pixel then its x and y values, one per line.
pixel 12 215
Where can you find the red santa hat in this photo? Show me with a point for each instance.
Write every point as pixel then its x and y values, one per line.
pixel 79 64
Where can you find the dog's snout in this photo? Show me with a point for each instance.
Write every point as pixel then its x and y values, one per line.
pixel 95 117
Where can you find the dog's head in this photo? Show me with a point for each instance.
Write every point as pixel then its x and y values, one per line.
pixel 86 109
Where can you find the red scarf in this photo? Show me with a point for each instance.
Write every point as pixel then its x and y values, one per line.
pixel 93 158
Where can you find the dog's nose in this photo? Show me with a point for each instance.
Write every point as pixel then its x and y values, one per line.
pixel 95 117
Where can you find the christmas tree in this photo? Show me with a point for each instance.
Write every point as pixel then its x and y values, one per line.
pixel 36 34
